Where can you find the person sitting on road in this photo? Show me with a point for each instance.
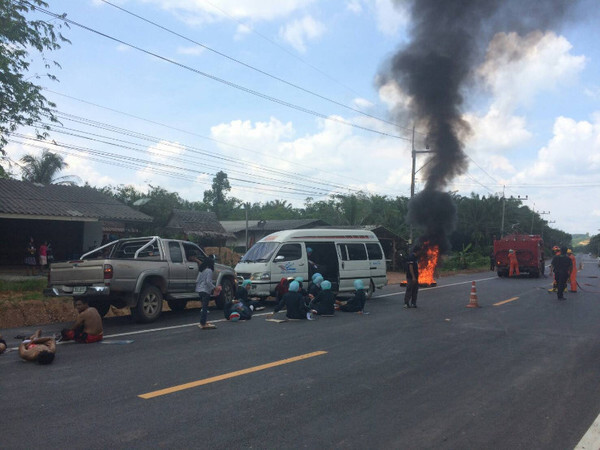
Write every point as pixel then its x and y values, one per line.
pixel 241 294
pixel 88 326
pixel 237 310
pixel 293 300
pixel 300 281
pixel 38 349
pixel 2 345
pixel 324 302
pixel 281 288
pixel 315 287
pixel 357 302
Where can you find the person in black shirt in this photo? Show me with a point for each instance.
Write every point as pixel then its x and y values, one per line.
pixel 357 303
pixel 412 280
pixel 324 302
pixel 561 266
pixel 241 294
pixel 294 303
pixel 315 287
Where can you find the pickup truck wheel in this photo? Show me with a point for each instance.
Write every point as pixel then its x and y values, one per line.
pixel 226 294
pixel 149 305
pixel 177 305
pixel 102 307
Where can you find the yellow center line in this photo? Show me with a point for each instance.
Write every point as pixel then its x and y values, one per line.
pixel 226 376
pixel 506 301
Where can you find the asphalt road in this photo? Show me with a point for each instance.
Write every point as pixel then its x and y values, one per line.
pixel 523 374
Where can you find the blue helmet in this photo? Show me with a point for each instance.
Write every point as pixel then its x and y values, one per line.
pixel 294 286
pixel 358 284
pixel 308 250
pixel 234 316
pixel 318 280
pixel 299 279
pixel 315 275
pixel 246 283
pixel 326 285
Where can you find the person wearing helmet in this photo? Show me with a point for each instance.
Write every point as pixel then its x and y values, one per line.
pixel 294 303
pixel 241 294
pixel 237 310
pixel 312 266
pixel 513 268
pixel 357 302
pixel 324 301
pixel 315 287
pixel 573 276
pixel 561 265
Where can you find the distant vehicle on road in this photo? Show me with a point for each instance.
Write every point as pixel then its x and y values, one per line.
pixel 138 273
pixel 529 249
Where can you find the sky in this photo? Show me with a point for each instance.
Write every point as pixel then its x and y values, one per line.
pixel 287 98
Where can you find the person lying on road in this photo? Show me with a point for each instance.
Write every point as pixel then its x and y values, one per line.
pixel 38 349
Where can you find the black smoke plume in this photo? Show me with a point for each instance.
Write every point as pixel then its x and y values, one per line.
pixel 447 40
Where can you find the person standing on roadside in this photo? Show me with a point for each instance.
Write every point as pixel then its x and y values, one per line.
pixel 561 265
pixel 573 277
pixel 30 260
pixel 43 256
pixel 412 280
pixel 204 288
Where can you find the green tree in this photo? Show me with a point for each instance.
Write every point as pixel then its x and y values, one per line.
pixel 43 169
pixel 22 100
pixel 217 198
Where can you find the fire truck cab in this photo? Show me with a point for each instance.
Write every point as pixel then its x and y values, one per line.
pixel 529 249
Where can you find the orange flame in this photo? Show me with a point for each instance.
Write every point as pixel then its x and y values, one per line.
pixel 427 263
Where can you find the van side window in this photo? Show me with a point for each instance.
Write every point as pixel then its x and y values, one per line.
pixel 175 252
pixel 356 252
pixel 374 251
pixel 342 252
pixel 290 252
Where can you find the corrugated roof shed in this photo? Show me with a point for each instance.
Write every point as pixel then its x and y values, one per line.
pixel 199 223
pixel 32 200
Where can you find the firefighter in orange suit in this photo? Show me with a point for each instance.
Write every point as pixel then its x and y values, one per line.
pixel 513 263
pixel 573 278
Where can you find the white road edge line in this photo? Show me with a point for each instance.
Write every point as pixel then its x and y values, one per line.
pixel 436 287
pixel 591 439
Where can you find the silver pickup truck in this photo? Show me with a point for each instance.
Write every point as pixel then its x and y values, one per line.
pixel 138 273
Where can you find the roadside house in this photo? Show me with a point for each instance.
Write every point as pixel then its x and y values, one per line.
pixel 200 226
pixel 71 218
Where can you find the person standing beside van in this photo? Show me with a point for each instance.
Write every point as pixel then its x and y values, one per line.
pixel 204 287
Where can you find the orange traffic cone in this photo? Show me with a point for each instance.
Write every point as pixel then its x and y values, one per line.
pixel 473 298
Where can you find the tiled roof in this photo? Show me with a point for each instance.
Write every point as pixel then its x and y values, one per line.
pixel 235 226
pixel 59 201
pixel 200 223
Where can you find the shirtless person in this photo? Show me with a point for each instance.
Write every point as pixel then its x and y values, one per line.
pixel 2 344
pixel 37 348
pixel 87 327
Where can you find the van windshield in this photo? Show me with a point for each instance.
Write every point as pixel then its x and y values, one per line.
pixel 260 252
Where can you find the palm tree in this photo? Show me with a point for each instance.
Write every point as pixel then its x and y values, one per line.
pixel 43 169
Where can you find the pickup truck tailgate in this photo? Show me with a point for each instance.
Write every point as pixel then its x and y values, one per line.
pixel 74 273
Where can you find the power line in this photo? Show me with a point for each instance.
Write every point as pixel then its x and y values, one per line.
pixel 308 91
pixel 221 80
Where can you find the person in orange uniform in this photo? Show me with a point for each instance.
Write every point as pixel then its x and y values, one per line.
pixel 513 263
pixel 573 277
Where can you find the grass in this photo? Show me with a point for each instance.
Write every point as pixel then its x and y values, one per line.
pixel 36 284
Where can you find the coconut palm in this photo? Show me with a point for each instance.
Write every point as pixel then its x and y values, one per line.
pixel 43 169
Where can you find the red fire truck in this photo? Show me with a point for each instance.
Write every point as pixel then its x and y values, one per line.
pixel 529 249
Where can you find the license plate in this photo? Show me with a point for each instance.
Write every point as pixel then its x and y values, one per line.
pixel 79 290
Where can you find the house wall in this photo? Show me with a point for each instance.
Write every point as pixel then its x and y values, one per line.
pixel 66 238
pixel 92 235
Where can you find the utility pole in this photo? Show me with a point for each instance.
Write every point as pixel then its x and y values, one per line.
pixel 533 217
pixel 504 208
pixel 247 205
pixel 413 173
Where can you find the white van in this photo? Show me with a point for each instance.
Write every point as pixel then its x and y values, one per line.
pixel 341 256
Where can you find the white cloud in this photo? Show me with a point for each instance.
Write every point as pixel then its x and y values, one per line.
pixel 496 131
pixel 123 48
pixel 298 32
pixel 391 16
pixel 517 68
pixel 354 6
pixel 362 103
pixel 199 11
